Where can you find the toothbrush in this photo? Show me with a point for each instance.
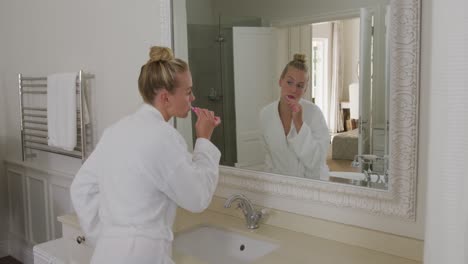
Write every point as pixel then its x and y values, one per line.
pixel 289 98
pixel 216 118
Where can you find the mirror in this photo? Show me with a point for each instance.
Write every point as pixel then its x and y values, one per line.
pixel 237 56
pixel 401 100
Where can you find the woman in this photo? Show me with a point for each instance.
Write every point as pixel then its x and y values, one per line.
pixel 127 192
pixel 294 130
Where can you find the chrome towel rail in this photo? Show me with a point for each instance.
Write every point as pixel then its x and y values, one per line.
pixel 34 118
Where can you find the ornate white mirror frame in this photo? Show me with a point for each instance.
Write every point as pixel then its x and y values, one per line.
pixel 400 199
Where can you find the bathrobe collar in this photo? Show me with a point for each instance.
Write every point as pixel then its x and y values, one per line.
pixel 153 110
pixel 292 129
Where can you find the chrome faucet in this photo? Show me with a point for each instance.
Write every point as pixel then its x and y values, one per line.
pixel 368 160
pixel 252 216
pixel 368 174
pixel 364 159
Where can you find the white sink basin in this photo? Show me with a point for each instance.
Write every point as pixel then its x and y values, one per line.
pixel 358 176
pixel 214 246
pixel 359 179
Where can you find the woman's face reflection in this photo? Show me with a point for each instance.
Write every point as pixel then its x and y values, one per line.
pixel 293 84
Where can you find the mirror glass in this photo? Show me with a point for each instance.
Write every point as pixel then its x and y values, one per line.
pixel 326 121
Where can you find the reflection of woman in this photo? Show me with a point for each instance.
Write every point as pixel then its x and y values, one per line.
pixel 294 130
pixel 127 192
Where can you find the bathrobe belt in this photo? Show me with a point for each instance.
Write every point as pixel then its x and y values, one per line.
pixel 158 233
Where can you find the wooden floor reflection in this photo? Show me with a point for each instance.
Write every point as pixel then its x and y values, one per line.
pixel 339 165
pixel 9 260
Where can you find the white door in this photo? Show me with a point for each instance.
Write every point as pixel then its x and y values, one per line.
pixel 255 83
pixel 365 82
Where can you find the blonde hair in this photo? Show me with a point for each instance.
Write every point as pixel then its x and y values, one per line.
pixel 298 62
pixel 159 73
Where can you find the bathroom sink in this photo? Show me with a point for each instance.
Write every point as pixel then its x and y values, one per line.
pixel 357 176
pixel 359 179
pixel 215 245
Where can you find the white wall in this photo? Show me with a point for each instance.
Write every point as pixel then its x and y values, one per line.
pixel 3 182
pixel 110 39
pixel 447 144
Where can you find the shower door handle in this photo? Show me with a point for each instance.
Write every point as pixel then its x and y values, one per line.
pixel 215 98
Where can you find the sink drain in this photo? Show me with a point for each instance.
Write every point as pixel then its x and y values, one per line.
pixel 242 247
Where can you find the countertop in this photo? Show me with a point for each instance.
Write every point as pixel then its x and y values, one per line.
pixel 294 247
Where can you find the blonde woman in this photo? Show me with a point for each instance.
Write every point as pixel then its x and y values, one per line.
pixel 127 192
pixel 295 133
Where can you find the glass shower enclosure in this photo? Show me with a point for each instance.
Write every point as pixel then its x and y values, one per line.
pixel 210 49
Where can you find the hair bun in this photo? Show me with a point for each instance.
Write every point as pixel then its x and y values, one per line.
pixel 160 54
pixel 299 57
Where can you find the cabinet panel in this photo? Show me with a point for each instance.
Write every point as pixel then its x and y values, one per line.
pixel 37 205
pixel 60 205
pixel 17 205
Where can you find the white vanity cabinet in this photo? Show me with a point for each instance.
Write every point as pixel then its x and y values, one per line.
pixel 36 199
pixel 70 248
pixel 61 251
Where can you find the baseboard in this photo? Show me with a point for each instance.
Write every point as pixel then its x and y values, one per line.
pixel 21 251
pixel 3 248
pixel 28 256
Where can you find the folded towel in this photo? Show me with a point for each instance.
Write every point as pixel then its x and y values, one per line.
pixel 61 110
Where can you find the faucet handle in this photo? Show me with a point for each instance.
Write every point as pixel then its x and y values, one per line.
pixel 241 205
pixel 263 213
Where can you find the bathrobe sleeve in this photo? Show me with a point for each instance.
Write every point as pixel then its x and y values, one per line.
pixel 84 192
pixel 311 143
pixel 188 179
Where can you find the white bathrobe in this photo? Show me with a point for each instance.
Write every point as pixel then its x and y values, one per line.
pixel 127 191
pixel 300 154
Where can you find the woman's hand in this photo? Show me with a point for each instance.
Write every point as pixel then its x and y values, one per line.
pixel 296 109
pixel 206 122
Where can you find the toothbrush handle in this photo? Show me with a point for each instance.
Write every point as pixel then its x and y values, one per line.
pixel 216 118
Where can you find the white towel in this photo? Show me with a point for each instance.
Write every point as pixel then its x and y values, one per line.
pixel 61 110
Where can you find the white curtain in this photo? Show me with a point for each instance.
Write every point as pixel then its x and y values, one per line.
pixel 335 118
pixel 446 229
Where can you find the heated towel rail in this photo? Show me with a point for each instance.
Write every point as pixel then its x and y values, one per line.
pixel 33 110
